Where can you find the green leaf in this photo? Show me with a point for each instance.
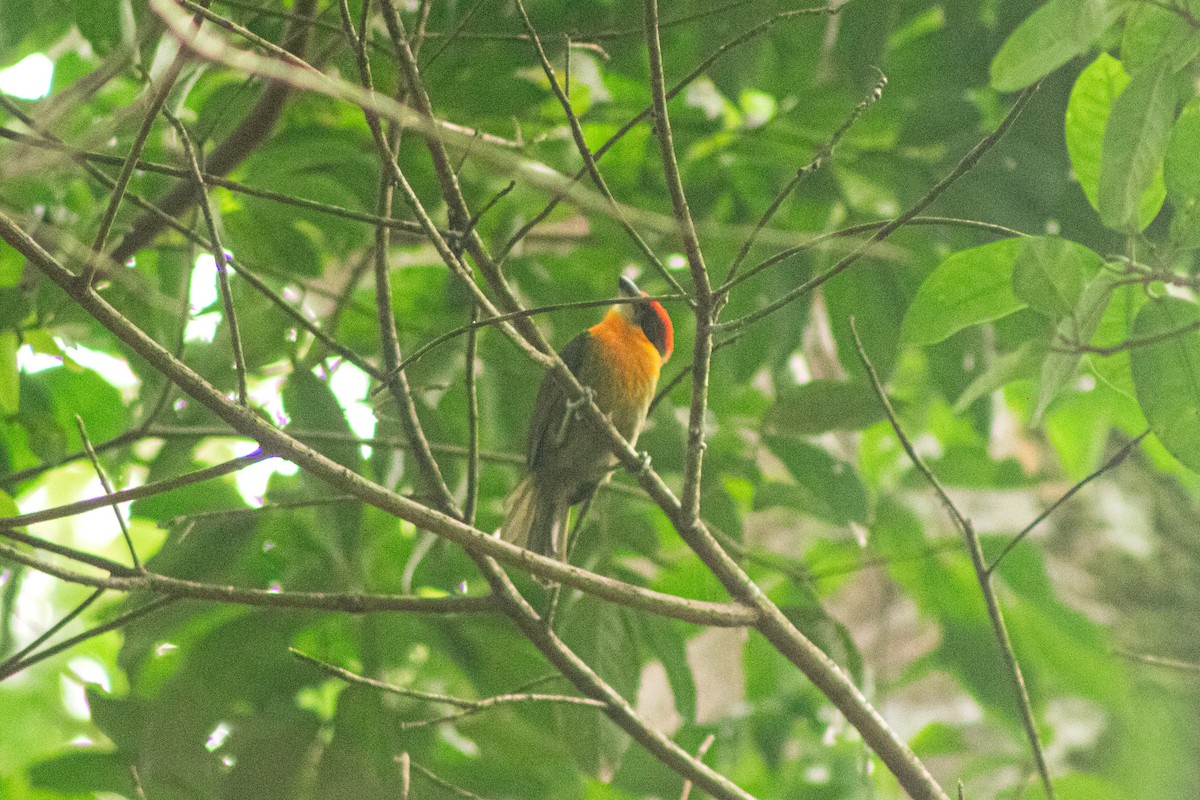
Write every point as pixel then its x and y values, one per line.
pixel 1114 327
pixel 938 739
pixel 1155 34
pixel 10 379
pixel 969 287
pixel 601 634
pixel 312 407
pixel 1005 368
pixel 1088 110
pixel 664 639
pixel 1051 272
pixel 1182 161
pixel 1166 375
pixel 825 487
pixel 1181 170
pixel 1061 364
pixel 357 764
pixel 100 23
pixel 1135 141
pixel 819 406
pixel 84 772
pixel 1049 38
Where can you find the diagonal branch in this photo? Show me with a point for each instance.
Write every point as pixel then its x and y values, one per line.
pixel 242 141
pixel 701 290
pixel 221 259
pixel 981 571
pixel 963 167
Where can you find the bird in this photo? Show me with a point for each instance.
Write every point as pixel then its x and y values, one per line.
pixel 567 455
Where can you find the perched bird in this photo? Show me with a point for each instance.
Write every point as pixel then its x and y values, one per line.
pixel 566 453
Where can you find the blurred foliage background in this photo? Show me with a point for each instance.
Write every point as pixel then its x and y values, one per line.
pixel 1035 322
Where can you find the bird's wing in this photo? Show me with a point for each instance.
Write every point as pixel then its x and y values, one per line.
pixel 551 403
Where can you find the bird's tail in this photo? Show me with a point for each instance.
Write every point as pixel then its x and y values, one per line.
pixel 536 519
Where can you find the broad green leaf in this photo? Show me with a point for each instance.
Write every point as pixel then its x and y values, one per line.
pixel 969 287
pixel 1182 173
pixel 311 406
pixel 82 772
pixel 1182 162
pixel 100 23
pixel 1078 328
pixel 1051 272
pixel 938 739
pixel 1113 368
pixel 819 406
pixel 1155 34
pixel 1166 374
pixel 1088 110
pixel 825 487
pixel 12 264
pixel 1049 38
pixel 1135 141
pixel 1005 368
pixel 664 639
pixel 10 380
pixel 601 634
pixel 358 762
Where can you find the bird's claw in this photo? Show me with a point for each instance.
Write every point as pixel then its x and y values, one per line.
pixel 572 408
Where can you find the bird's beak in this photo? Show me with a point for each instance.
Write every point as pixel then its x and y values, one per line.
pixel 628 288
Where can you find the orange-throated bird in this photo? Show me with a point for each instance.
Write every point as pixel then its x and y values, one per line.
pixel 566 453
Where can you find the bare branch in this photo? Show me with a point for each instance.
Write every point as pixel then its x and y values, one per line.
pixel 977 560
pixel 107 486
pixel 220 258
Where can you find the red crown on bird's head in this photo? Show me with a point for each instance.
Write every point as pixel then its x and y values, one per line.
pixel 651 317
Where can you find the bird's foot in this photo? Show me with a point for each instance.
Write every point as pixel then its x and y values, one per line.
pixel 573 407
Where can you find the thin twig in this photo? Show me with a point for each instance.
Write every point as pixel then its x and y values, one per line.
pixel 118 622
pixel 233 513
pixel 445 784
pixel 221 258
pixel 135 492
pixel 46 635
pixel 464 707
pixel 138 789
pixel 248 35
pixel 585 152
pixel 498 319
pixel 177 588
pixel 964 166
pixel 45 141
pixel 401 392
pixel 405 774
pixel 812 166
pixel 1115 461
pixel 157 102
pixel 1128 344
pixel 855 230
pixel 705 310
pixel 981 573
pixel 108 490
pixel 700 69
pixel 1158 661
pixel 472 499
pixel 701 751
